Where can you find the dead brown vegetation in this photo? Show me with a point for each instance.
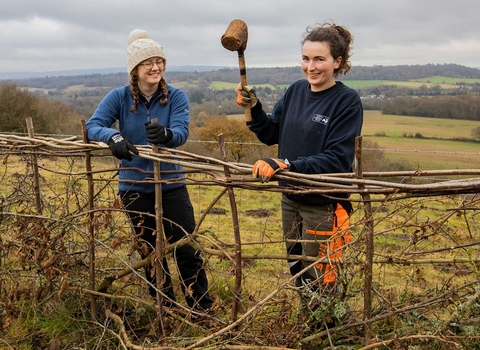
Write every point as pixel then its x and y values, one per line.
pixel 411 273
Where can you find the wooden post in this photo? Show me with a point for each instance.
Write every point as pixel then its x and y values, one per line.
pixel 369 247
pixel 159 243
pixel 236 232
pixel 36 176
pixel 91 231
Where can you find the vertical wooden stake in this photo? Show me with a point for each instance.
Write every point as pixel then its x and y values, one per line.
pixel 36 177
pixel 369 233
pixel 91 231
pixel 236 232
pixel 159 243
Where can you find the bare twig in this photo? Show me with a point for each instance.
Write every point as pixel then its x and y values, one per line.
pixel 236 232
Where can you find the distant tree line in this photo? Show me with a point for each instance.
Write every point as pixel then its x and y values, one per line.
pixel 49 116
pixel 407 72
pixel 426 101
pixel 392 91
pixel 275 76
pixel 461 107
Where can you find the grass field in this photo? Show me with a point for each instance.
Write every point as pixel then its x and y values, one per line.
pixel 441 148
pixel 354 84
pixel 220 85
pixel 444 82
pixel 442 152
pixel 430 154
pixel 359 84
pixel 395 126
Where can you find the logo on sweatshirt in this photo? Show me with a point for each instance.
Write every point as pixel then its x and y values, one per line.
pixel 318 118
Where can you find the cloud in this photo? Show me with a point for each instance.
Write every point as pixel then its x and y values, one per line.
pixel 57 35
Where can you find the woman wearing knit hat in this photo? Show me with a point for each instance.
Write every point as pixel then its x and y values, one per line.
pixel 134 106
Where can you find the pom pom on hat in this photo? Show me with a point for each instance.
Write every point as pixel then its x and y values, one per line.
pixel 141 47
pixel 137 34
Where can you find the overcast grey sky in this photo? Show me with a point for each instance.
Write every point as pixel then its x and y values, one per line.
pixel 48 35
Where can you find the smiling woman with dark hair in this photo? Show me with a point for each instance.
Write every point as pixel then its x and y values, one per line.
pixel 315 125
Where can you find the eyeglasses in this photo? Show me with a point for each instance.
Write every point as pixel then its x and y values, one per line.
pixel 149 64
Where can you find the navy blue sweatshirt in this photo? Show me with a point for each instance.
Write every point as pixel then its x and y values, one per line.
pixel 315 131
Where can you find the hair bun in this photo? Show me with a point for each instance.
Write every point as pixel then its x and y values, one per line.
pixel 137 34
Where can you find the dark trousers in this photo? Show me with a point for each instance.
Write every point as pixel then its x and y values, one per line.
pixel 318 231
pixel 177 215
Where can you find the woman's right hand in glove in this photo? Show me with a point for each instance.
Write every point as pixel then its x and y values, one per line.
pixel 121 147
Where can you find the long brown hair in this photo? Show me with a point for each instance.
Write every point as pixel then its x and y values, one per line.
pixel 162 85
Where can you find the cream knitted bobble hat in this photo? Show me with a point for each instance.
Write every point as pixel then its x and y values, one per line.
pixel 141 47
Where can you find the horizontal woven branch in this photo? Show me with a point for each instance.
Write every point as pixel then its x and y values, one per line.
pixel 402 185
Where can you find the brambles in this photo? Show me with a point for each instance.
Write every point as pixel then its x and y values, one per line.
pixel 44 264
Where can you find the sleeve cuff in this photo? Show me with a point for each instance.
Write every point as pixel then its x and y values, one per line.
pixel 257 110
pixel 169 135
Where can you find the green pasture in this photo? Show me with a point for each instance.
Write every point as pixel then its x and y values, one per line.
pixel 44 91
pixel 447 143
pixel 440 149
pixel 445 80
pixel 185 84
pixel 428 154
pixel 221 85
pixel 78 87
pixel 376 123
pixel 360 84
pixel 71 88
pixel 354 84
pixel 393 126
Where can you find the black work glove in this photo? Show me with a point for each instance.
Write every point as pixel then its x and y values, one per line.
pixel 157 133
pixel 121 147
pixel 246 96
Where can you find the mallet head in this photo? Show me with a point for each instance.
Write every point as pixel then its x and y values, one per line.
pixel 236 36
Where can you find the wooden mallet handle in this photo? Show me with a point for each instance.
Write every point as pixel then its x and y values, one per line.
pixel 235 39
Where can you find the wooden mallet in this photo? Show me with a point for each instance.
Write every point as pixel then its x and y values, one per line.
pixel 235 39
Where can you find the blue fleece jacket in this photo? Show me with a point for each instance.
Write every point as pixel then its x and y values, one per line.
pixel 315 131
pixel 115 106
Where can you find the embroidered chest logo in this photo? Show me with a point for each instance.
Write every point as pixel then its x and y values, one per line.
pixel 318 118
